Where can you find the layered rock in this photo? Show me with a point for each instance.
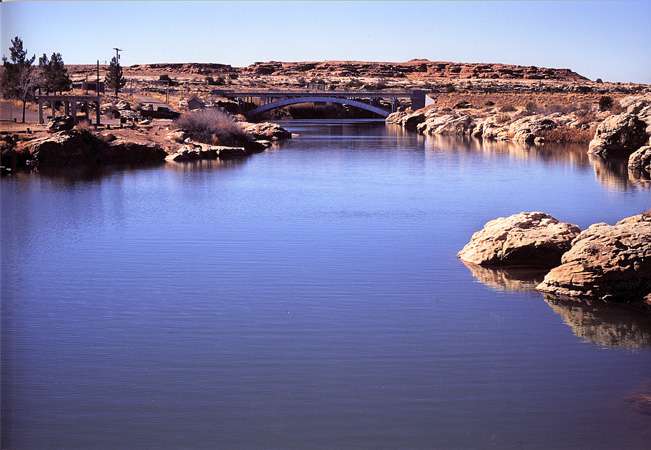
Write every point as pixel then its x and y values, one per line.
pixel 606 262
pixel 530 239
pixel 618 134
pixel 415 68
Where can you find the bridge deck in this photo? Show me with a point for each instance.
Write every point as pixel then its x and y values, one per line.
pixel 312 93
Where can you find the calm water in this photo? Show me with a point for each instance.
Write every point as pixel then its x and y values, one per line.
pixel 310 297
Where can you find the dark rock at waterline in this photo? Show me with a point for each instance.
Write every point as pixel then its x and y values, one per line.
pixel 75 147
pixel 12 158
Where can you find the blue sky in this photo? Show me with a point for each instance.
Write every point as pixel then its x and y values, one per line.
pixel 607 39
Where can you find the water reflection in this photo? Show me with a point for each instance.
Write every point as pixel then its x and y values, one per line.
pixel 612 173
pixel 84 174
pixel 507 279
pixel 602 324
pixel 605 324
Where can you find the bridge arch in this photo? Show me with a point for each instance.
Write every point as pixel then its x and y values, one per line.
pixel 317 99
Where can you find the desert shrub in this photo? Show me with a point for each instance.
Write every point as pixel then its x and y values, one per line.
pixel 599 80
pixel 507 108
pixel 558 108
pixel 380 84
pixel 606 103
pixel 211 127
pixel 489 103
pixel 354 83
pixel 531 107
pixel 569 135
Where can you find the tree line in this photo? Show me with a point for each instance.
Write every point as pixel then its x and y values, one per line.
pixel 21 78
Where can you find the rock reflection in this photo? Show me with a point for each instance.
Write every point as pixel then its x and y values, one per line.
pixel 205 165
pixel 85 174
pixel 639 179
pixel 512 279
pixel 612 173
pixel 605 324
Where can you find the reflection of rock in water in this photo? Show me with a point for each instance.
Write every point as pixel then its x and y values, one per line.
pixel 605 324
pixel 640 399
pixel 613 173
pixel 507 279
pixel 639 179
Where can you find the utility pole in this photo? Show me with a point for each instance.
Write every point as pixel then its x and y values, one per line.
pixel 97 83
pixel 117 59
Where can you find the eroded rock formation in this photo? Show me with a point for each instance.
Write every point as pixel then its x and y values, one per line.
pixel 606 262
pixel 531 239
pixel 639 163
pixel 619 134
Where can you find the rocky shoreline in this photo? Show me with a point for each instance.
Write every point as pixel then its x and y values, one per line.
pixel 65 145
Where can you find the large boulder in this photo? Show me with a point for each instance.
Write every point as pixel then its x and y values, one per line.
pixel 606 262
pixel 528 129
pixel 619 134
pixel 527 239
pixel 640 162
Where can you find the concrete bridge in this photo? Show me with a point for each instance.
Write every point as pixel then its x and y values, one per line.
pixel 264 101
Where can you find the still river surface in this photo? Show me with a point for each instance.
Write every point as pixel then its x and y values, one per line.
pixel 310 297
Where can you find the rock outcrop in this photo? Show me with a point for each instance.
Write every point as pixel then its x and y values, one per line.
pixel 196 151
pixel 266 131
pixel 528 239
pixel 618 134
pixel 606 262
pixel 639 163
